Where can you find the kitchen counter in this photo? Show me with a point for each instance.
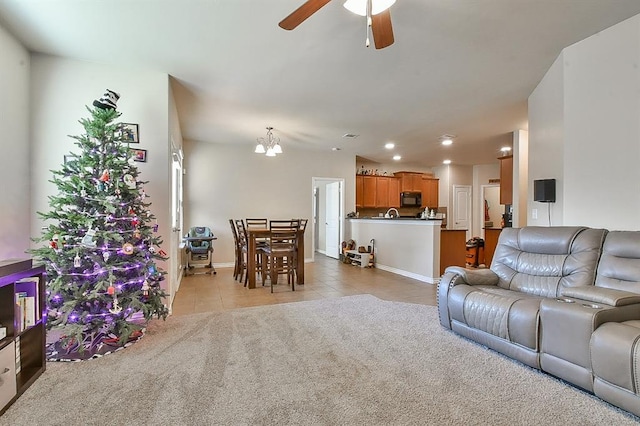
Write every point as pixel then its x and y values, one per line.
pixel 404 246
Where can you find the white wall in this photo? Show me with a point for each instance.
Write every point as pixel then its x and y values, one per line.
pixel 598 115
pixel 14 128
pixel 60 89
pixel 227 181
pixel 602 129
pixel 546 143
pixel 520 177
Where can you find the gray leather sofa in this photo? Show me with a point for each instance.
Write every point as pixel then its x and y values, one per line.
pixel 565 300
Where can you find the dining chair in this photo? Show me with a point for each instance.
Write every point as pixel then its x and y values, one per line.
pixel 237 267
pixel 258 223
pixel 281 252
pixel 244 250
pixel 303 224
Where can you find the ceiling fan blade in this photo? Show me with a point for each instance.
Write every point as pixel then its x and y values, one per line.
pixel 299 15
pixel 382 29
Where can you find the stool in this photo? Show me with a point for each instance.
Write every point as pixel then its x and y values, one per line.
pixel 615 359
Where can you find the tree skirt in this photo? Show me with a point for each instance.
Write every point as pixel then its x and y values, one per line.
pixel 62 350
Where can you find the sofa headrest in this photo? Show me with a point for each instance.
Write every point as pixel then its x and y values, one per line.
pixel 619 266
pixel 546 240
pixel 541 260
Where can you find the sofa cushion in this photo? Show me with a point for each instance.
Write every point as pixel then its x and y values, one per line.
pixel 619 266
pixel 542 260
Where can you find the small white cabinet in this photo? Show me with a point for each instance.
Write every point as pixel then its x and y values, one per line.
pixel 360 259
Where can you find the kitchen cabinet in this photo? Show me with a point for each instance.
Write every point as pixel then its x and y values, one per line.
pixel 410 181
pixel 394 192
pixel 491 236
pixel 377 191
pixel 506 179
pixel 359 191
pixel 369 191
pixel 22 328
pixel 429 189
pixel 382 191
pixel 453 246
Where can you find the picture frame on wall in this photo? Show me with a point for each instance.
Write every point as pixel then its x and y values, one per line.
pixel 139 155
pixel 131 133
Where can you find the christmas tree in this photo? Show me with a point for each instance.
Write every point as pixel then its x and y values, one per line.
pixel 103 285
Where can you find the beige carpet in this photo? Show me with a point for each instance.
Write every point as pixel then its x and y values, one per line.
pixel 354 360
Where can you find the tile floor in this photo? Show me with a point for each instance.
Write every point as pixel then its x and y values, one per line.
pixel 324 278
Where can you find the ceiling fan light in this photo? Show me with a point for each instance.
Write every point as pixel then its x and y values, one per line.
pixel 359 7
pixel 259 149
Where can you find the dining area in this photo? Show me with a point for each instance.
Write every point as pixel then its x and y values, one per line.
pixel 267 249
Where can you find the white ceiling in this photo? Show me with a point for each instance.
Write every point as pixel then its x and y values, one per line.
pixel 460 67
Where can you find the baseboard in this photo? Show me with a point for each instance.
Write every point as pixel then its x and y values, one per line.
pixel 423 278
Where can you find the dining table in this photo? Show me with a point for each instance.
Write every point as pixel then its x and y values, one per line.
pixel 254 234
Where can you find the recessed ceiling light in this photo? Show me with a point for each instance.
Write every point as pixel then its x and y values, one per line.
pixel 350 135
pixel 389 145
pixel 446 162
pixel 397 157
pixel 447 139
pixel 335 148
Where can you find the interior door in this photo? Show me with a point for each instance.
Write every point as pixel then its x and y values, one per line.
pixel 462 208
pixel 176 220
pixel 332 206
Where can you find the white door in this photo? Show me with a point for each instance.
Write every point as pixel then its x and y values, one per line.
pixel 332 206
pixel 462 208
pixel 176 220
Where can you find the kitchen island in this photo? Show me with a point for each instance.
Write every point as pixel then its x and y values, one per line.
pixel 408 247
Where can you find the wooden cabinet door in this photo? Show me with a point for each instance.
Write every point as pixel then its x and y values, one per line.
pixel 359 191
pixel 382 192
pixel 411 182
pixel 369 185
pixel 429 188
pixel 416 182
pixel 394 192
pixel 490 243
pixel 506 179
pixel 452 248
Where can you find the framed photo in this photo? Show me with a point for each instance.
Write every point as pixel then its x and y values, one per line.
pixel 140 155
pixel 131 133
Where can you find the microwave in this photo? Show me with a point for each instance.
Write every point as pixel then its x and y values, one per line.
pixel 410 199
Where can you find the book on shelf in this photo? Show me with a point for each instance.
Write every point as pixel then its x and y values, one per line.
pixel 25 311
pixel 18 355
pixel 27 290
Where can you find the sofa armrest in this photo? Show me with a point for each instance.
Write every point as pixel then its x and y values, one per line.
pixel 606 296
pixel 474 276
pixel 455 275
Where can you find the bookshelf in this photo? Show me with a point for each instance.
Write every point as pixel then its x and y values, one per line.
pixel 22 328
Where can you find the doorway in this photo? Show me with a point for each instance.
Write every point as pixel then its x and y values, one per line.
pixel 177 219
pixel 462 208
pixel 489 212
pixel 328 222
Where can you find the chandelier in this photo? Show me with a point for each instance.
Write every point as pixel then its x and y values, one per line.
pixel 269 145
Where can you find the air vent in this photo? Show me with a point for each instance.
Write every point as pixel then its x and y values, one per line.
pixel 350 135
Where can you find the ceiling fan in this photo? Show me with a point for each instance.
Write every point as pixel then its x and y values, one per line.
pixel 376 11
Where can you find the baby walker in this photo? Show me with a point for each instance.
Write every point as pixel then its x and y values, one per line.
pixel 200 250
